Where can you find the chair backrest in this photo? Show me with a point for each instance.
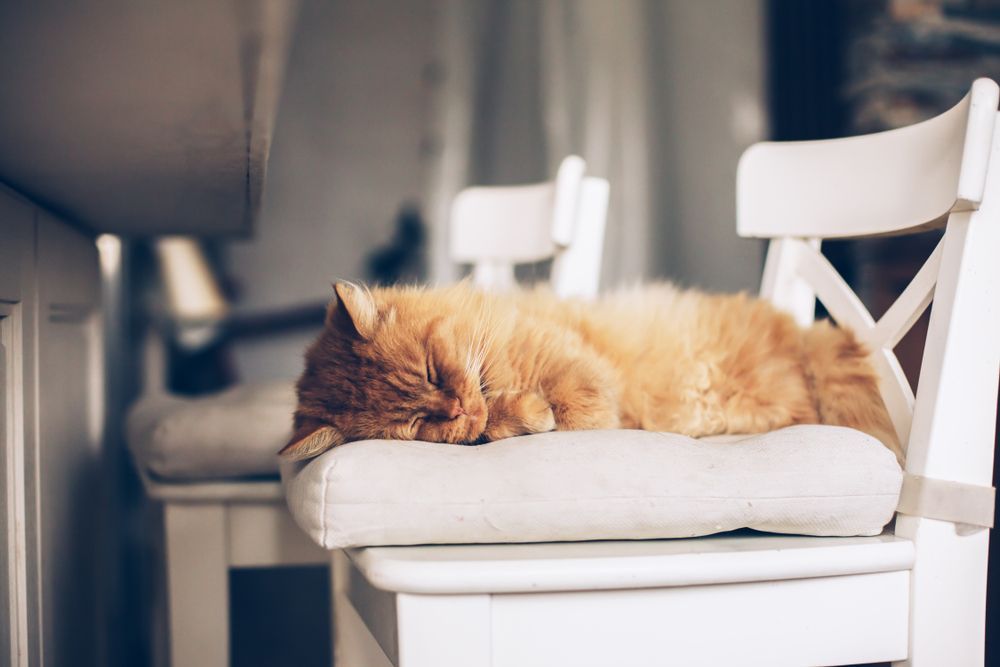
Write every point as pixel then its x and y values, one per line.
pixel 945 171
pixel 496 228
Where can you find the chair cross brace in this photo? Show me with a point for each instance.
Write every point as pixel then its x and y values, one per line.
pixel 881 336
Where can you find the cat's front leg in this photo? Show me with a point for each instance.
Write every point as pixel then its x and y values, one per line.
pixel 514 413
pixel 583 395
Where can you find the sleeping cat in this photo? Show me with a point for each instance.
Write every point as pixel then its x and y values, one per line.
pixel 457 365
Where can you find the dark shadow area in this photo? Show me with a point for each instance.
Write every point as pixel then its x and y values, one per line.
pixel 280 617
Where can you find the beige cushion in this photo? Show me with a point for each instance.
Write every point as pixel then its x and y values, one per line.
pixel 592 485
pixel 233 434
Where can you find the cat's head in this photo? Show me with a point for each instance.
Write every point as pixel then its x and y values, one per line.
pixel 392 363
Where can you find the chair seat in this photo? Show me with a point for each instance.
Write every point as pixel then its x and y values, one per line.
pixel 595 485
pixel 738 557
pixel 235 434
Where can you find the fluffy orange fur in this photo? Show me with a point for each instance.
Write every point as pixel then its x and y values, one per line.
pixel 461 366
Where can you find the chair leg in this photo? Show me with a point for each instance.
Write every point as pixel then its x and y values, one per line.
pixel 947 593
pixel 353 643
pixel 197 584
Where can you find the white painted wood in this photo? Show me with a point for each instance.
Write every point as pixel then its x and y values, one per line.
pixel 875 184
pixel 797 273
pixel 569 185
pixel 52 400
pixel 831 289
pixel 896 392
pixel 17 611
pixel 496 228
pixel 515 568
pixel 911 304
pixel 197 584
pixel 510 223
pixel 980 138
pixel 62 508
pixel 823 621
pixel 264 535
pixel 947 593
pixel 494 274
pixel 213 492
pixel 953 433
pixel 953 423
pixel 576 270
pixel 353 642
pixel 372 609
pixel 11 585
pixel 782 285
pixel 818 277
pixel 444 630
pixel 19 289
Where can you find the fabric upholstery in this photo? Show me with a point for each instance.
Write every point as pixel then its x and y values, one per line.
pixel 591 485
pixel 233 434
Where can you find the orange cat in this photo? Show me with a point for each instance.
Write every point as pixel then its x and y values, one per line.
pixel 461 366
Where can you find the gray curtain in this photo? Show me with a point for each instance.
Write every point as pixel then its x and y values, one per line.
pixel 659 96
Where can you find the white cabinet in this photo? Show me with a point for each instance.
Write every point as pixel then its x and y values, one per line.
pixel 51 408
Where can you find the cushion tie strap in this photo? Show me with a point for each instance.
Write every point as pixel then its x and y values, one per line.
pixel 944 500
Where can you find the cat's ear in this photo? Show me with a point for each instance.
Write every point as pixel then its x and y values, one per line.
pixel 352 310
pixel 311 439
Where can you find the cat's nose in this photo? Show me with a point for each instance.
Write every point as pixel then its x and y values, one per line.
pixel 455 409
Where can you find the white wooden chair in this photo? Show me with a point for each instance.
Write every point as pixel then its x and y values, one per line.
pixel 913 595
pixel 212 526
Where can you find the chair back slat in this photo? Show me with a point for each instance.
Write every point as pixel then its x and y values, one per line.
pixel 882 183
pixel 498 227
pixel 510 224
pixel 910 305
pixel 576 270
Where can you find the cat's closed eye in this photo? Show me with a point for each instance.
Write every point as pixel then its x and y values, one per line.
pixel 432 375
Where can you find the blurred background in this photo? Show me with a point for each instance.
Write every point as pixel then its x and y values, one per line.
pixel 375 114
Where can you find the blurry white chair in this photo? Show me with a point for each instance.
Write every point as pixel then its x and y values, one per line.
pixel 914 595
pixel 211 461
pixel 495 228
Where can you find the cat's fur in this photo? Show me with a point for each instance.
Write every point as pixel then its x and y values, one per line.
pixel 460 366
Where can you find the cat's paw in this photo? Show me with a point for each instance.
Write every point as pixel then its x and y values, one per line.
pixel 536 413
pixel 519 413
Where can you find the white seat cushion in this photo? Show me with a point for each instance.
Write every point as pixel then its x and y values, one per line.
pixel 595 485
pixel 234 434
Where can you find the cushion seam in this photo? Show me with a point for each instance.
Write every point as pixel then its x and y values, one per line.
pixel 323 516
pixel 533 501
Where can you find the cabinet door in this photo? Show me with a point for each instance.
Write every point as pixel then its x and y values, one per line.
pixel 68 488
pixel 19 619
pixel 51 407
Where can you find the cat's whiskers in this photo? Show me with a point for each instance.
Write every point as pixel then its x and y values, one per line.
pixel 477 343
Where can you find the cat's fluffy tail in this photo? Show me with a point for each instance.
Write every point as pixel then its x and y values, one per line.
pixel 845 386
